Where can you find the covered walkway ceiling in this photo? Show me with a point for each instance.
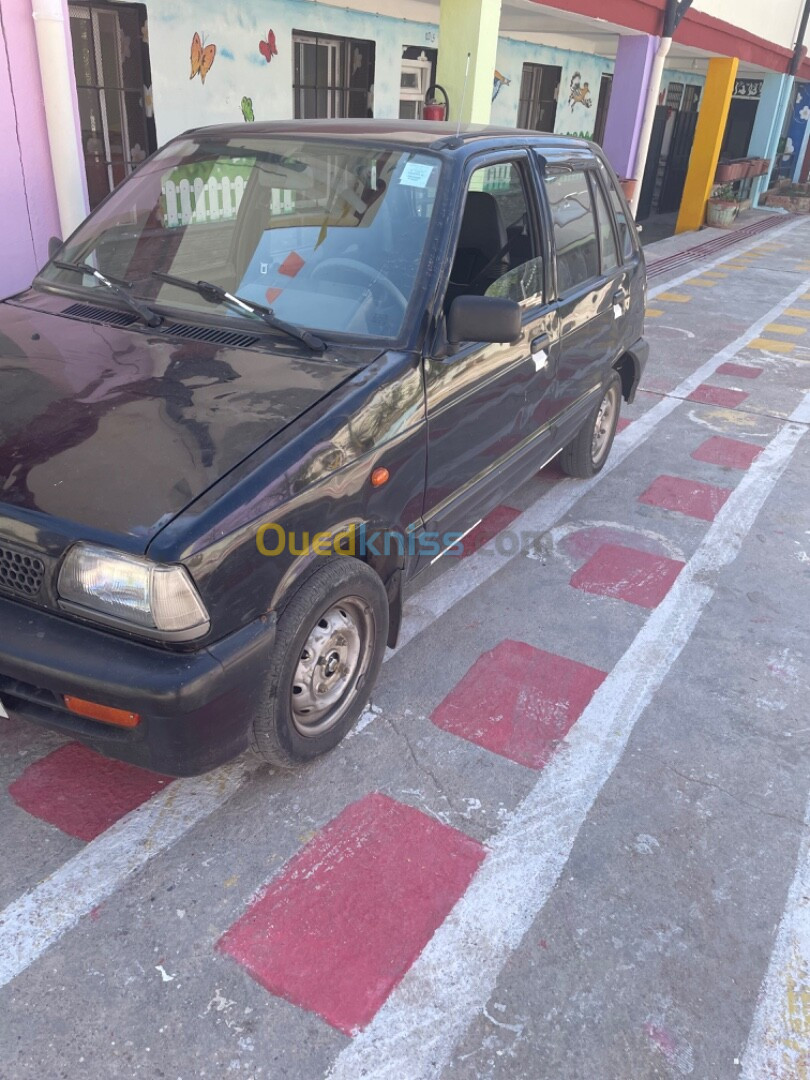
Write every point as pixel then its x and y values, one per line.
pixel 550 24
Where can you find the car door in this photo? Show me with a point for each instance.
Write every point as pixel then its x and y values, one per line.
pixel 591 302
pixel 486 420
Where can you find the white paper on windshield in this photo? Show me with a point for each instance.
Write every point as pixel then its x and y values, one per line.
pixel 416 175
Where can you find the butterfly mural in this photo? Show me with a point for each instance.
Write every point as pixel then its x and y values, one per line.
pixel 201 57
pixel 268 48
pixel 247 110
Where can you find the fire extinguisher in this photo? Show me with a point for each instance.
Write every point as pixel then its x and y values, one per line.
pixel 436 110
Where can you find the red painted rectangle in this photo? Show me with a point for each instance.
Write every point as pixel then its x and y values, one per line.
pixel 718 395
pixel 519 702
pixel 728 453
pixel 690 497
pixel 496 521
pixel 623 424
pixel 81 792
pixel 342 923
pixel 628 574
pixel 740 371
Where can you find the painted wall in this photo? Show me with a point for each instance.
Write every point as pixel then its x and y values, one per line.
pixel 579 70
pixel 28 212
pixel 240 69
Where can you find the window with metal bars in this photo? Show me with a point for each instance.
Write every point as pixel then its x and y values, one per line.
pixel 114 89
pixel 332 76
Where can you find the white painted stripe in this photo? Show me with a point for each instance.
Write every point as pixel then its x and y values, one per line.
pixel 31 924
pixel 415 1031
pixel 779 1041
pixel 730 256
pixel 427 605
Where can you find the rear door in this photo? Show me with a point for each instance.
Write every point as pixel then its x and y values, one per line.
pixel 591 299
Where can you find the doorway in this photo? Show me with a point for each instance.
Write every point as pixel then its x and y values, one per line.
pixel 539 93
pixel 114 89
pixel 605 90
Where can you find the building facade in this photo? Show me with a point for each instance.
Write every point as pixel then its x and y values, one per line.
pixel 134 75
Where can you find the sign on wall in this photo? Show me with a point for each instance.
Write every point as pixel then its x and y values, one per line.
pixel 748 88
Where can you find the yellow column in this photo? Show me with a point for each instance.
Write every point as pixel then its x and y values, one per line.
pixel 468 26
pixel 711 127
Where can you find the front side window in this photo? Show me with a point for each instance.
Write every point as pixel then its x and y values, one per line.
pixel 331 236
pixel 569 196
pixel 497 254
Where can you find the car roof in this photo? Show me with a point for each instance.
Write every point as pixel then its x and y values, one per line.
pixel 420 134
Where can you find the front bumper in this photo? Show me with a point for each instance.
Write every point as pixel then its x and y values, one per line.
pixel 196 708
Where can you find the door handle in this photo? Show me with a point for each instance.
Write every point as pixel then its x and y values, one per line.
pixel 540 351
pixel 619 296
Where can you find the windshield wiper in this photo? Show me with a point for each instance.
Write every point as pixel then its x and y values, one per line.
pixel 116 286
pixel 214 294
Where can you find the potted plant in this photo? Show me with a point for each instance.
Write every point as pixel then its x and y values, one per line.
pixel 723 207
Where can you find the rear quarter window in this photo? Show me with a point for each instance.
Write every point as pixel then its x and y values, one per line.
pixel 627 230
pixel 572 212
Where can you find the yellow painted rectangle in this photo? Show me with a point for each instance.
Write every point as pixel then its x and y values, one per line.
pixel 654 313
pixel 703 283
pixel 677 298
pixel 772 345
pixel 715 273
pixel 797 313
pixel 784 328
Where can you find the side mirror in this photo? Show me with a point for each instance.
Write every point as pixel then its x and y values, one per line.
pixel 54 246
pixel 484 318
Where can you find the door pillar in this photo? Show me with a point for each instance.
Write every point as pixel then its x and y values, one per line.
pixel 468 26
pixel 776 96
pixel 711 127
pixel 634 61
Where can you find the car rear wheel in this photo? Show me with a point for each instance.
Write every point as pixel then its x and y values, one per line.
pixel 328 651
pixel 586 454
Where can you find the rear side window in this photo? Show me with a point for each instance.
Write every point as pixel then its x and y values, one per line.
pixel 625 227
pixel 572 212
pixel 607 239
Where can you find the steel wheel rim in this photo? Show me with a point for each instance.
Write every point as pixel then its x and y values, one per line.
pixel 603 428
pixel 331 666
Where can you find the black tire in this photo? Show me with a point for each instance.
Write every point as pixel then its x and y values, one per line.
pixel 313 628
pixel 585 456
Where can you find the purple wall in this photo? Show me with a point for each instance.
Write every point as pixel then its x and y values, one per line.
pixel 626 113
pixel 28 211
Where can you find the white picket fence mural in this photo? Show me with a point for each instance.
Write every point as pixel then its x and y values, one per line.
pixel 196 201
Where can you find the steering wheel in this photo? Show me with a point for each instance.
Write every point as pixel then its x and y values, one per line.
pixel 373 277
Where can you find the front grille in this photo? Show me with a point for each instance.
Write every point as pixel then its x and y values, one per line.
pixel 20 572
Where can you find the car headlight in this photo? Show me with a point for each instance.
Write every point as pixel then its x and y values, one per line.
pixel 143 594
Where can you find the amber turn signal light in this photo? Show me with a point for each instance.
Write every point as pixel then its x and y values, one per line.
pixel 103 713
pixel 380 477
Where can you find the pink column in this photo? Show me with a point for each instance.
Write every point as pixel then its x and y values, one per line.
pixel 626 113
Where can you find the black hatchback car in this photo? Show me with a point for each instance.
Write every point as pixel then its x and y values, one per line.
pixel 276 374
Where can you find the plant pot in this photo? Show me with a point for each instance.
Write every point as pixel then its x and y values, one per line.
pixel 629 188
pixel 721 214
pixel 731 171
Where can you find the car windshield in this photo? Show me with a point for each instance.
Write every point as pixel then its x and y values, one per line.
pixel 330 236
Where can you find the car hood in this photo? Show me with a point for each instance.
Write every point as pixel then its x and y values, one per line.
pixel 117 430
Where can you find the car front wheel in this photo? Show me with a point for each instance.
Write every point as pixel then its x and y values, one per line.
pixel 586 454
pixel 328 651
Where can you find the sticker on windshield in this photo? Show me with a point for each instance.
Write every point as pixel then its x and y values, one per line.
pixel 416 175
